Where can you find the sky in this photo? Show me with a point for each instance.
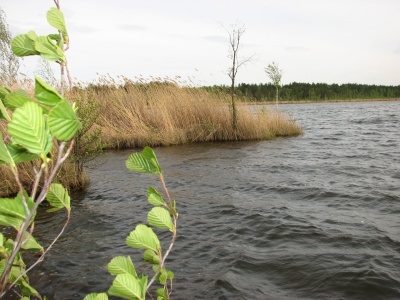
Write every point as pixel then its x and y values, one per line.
pixel 329 41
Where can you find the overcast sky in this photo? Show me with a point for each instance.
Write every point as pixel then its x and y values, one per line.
pixel 331 41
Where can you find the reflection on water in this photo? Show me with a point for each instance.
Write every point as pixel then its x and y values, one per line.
pixel 310 217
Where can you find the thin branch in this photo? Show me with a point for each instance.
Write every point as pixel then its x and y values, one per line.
pixel 41 258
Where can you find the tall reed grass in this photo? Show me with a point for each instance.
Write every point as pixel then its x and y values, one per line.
pixel 137 114
pixel 160 113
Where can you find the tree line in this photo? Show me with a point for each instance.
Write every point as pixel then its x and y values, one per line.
pixel 297 91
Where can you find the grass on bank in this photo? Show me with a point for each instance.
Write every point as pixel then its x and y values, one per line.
pixel 163 114
pixel 158 114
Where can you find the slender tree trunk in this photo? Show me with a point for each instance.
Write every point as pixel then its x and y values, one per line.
pixel 234 111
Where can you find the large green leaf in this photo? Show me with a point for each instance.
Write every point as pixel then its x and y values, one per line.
pixel 16 99
pixel 63 122
pixel 160 218
pixel 145 162
pixel 28 129
pixel 143 237
pixel 12 211
pixel 22 45
pixel 154 197
pixel 20 154
pixel 56 19
pixel 30 243
pixel 58 198
pixel 7 220
pixel 121 265
pixel 96 296
pixel 48 49
pixel 126 286
pixel 45 93
pixel 4 153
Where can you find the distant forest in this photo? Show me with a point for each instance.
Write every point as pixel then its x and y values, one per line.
pixel 312 91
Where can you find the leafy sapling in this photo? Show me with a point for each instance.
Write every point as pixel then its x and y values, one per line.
pixel 127 283
pixel 39 130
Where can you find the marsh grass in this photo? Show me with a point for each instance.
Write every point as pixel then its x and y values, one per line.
pixel 162 113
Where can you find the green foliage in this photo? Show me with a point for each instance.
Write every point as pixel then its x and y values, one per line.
pixel 145 162
pixel 127 283
pixel 38 130
pixel 88 143
pixel 297 91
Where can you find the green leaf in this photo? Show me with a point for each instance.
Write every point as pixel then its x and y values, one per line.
pixel 45 93
pixel 23 45
pixel 165 275
pixel 3 92
pixel 63 122
pixel 16 99
pixel 126 286
pixel 96 296
pixel 12 211
pixel 56 19
pixel 4 153
pixel 154 197
pixel 162 278
pixel 28 129
pixel 48 49
pixel 13 207
pixel 161 294
pixel 4 112
pixel 145 162
pixel 151 257
pixel 32 35
pixel 58 197
pixel 121 265
pixel 31 243
pixel 160 218
pixel 26 289
pixel 20 154
pixel 143 237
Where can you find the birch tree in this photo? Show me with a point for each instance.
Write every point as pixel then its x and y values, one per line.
pixel 275 75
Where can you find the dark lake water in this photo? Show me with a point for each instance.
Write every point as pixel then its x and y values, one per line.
pixel 309 217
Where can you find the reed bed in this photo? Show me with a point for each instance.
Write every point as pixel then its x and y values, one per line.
pixel 162 113
pixel 158 113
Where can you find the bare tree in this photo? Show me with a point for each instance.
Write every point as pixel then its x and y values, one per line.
pixel 235 33
pixel 275 74
pixel 9 62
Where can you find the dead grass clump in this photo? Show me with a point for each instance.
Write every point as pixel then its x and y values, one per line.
pixel 136 114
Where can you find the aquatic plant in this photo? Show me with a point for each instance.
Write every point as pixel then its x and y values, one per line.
pixel 40 131
pixel 127 283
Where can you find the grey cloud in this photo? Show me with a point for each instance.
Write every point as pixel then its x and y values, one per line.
pixel 397 51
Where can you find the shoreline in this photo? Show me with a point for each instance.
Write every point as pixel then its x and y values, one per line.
pixel 317 101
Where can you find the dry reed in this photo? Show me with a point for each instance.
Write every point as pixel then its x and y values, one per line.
pixel 137 114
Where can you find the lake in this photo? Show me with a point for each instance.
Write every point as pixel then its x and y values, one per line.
pixel 310 217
